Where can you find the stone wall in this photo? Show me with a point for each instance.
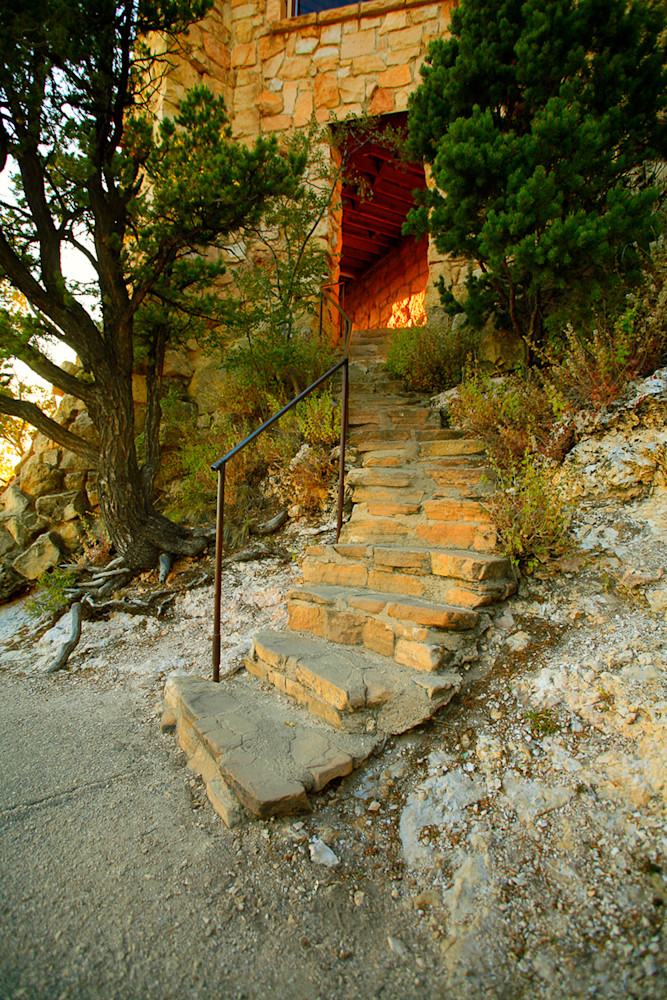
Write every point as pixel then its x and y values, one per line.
pixel 277 73
pixel 383 297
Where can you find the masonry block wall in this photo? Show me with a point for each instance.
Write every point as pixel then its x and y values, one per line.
pixel 276 72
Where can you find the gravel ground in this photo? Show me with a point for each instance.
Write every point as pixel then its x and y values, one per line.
pixel 514 848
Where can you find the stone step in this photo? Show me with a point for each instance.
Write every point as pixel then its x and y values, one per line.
pixel 369 524
pixel 351 689
pixel 387 437
pixel 391 479
pixel 454 577
pixel 417 634
pixel 250 746
pixel 451 447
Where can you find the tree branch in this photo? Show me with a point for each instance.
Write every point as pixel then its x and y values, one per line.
pixel 26 410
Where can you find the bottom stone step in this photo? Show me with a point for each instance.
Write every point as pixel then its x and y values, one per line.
pixel 349 688
pixel 269 753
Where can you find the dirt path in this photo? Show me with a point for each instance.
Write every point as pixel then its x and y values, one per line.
pixel 514 848
pixel 116 881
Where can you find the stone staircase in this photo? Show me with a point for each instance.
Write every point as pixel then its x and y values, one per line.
pixel 384 626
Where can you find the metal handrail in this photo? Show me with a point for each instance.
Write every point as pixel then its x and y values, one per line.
pixel 221 463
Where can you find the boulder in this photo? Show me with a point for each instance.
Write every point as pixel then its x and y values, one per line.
pixel 11 582
pixel 14 500
pixel 74 480
pixel 7 542
pixel 42 555
pixel 208 387
pixel 74 463
pixel 70 534
pixel 37 479
pixel 68 408
pixel 63 506
pixel 85 428
pixel 26 526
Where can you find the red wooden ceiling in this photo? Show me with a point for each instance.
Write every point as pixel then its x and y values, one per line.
pixel 374 212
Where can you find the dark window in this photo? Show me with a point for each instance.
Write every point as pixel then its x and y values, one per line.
pixel 315 6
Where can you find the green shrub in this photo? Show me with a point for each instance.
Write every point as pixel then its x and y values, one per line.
pixel 268 370
pixel 529 513
pixel 51 594
pixel 514 415
pixel 318 419
pixel 431 358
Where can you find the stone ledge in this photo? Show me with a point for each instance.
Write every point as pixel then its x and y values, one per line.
pixel 352 12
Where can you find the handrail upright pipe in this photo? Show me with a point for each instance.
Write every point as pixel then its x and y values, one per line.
pixel 221 464
pixel 345 396
pixel 219 532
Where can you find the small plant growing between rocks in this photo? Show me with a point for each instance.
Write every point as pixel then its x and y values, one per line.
pixel 318 419
pixel 431 358
pixel 51 596
pixel 529 513
pixel 543 722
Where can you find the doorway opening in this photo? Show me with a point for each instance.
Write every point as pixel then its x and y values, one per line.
pixel 382 272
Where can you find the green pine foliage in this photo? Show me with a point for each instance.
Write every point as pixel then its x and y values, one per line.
pixel 543 121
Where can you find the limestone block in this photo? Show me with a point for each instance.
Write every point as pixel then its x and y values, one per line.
pixel 68 408
pixel 330 34
pixel 207 388
pixel 11 582
pixel 244 55
pixel 73 463
pixel 85 428
pixel 382 102
pixel 270 103
pixel 270 46
pixel 306 618
pixel 326 59
pixel 42 555
pixel 216 50
pixel 38 479
pixel 417 655
pixel 306 45
pixel 395 76
pixel 7 542
pixel 224 802
pixel 411 38
pixel 277 123
pixel 14 500
pixel 244 31
pixel 352 89
pixel 51 457
pixel 379 638
pixel 358 43
pixel 41 443
pixel 246 122
pixel 63 506
pixel 393 21
pixel 296 68
pixel 70 534
pixel 271 67
pixel 326 91
pixel 289 92
pixel 25 526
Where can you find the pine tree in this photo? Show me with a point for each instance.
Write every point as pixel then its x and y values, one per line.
pixel 544 123
pixel 143 201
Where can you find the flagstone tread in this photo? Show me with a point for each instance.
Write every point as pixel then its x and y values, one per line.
pixel 457 563
pixel 351 687
pixel 427 613
pixel 269 753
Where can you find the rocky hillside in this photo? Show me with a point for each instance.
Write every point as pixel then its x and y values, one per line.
pixel 516 845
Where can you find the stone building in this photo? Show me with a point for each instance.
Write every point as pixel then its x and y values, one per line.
pixel 278 63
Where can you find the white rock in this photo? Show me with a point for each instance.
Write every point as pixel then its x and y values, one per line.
pixel 320 854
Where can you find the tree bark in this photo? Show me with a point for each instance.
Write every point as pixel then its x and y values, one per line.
pixel 137 531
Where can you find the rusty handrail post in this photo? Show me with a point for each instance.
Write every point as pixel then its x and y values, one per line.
pixel 220 465
pixel 219 532
pixel 345 396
